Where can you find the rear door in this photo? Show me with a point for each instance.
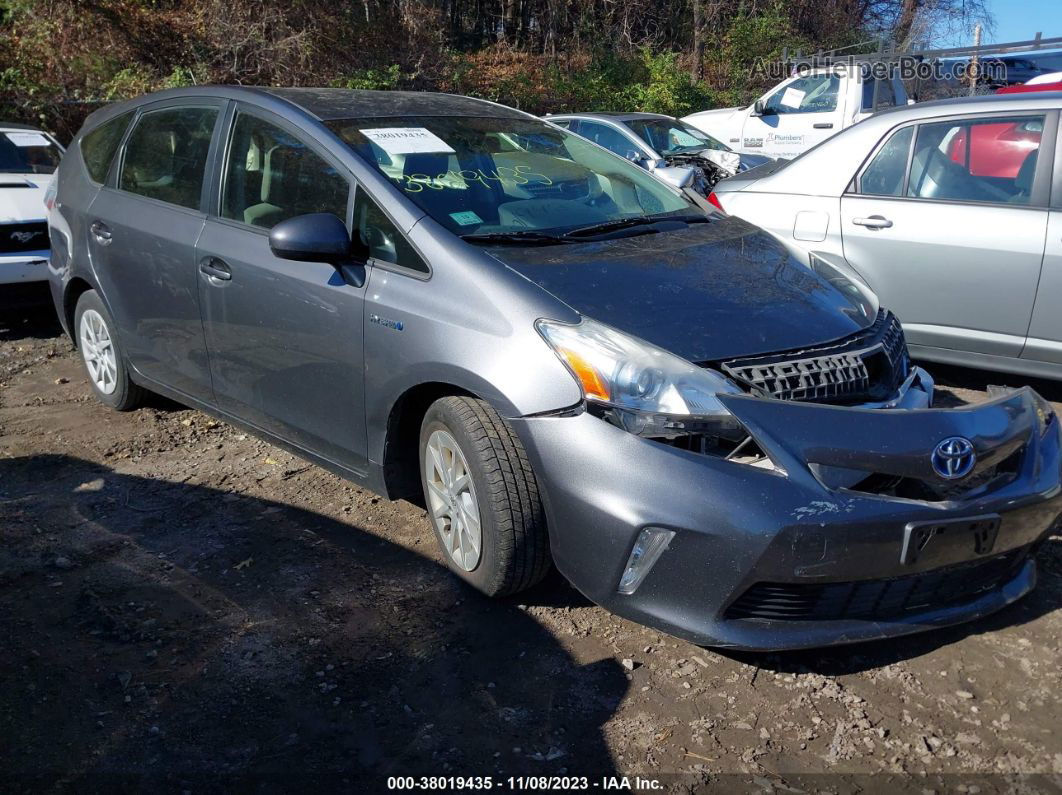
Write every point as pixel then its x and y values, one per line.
pixel 953 249
pixel 801 112
pixel 284 337
pixel 142 230
pixel 1045 330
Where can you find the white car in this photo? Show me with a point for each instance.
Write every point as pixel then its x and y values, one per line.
pixel 28 158
pixel 801 111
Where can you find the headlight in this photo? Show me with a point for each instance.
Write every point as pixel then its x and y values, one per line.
pixel 642 388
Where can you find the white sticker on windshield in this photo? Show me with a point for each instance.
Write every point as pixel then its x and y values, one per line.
pixel 792 97
pixel 27 139
pixel 407 140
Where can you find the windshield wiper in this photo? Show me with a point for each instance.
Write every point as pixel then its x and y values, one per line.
pixel 627 223
pixel 521 237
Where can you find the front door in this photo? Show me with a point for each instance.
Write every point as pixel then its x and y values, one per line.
pixel 801 112
pixel 948 229
pixel 284 337
pixel 142 237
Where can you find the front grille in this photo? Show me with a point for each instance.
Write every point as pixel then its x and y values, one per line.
pixel 981 480
pixel 23 237
pixel 878 600
pixel 868 365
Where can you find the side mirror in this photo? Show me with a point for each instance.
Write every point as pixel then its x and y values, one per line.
pixel 757 107
pixel 315 237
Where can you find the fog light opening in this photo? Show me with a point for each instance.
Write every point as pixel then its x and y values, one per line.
pixel 648 548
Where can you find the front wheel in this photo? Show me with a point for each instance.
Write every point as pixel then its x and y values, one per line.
pixel 102 355
pixel 482 497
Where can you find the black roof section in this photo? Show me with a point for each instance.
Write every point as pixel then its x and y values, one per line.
pixel 344 103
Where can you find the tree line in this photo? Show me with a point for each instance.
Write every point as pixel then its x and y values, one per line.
pixel 61 58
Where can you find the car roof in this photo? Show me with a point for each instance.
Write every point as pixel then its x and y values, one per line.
pixel 10 125
pixel 612 115
pixel 332 103
pixel 985 103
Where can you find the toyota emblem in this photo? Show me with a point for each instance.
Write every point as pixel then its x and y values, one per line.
pixel 954 458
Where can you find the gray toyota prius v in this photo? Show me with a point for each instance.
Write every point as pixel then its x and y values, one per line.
pixel 565 360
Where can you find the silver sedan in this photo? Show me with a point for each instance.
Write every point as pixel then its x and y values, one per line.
pixel 950 211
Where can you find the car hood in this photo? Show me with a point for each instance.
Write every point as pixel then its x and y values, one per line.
pixel 708 292
pixel 22 197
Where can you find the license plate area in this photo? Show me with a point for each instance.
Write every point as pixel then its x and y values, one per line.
pixel 949 540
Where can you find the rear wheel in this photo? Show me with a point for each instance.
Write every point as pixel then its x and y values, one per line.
pixel 102 355
pixel 482 497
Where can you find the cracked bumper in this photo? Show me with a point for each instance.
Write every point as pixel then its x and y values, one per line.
pixel 737 526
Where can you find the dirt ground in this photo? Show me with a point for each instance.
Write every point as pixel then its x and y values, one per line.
pixel 184 607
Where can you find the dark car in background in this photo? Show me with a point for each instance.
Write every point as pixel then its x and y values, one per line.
pixel 562 358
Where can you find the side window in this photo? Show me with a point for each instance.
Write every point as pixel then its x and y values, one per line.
pixel 885 96
pixel 381 238
pixel 884 176
pixel 565 123
pixel 271 176
pixel 990 160
pixel 608 137
pixel 98 147
pixel 165 157
pixel 812 94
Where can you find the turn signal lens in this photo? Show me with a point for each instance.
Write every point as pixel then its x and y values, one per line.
pixel 594 386
pixel 648 548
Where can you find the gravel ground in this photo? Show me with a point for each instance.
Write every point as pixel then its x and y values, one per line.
pixel 185 607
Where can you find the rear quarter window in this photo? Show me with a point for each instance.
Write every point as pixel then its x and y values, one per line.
pixel 99 145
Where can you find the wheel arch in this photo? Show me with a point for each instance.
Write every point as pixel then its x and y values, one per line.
pixel 401 464
pixel 75 288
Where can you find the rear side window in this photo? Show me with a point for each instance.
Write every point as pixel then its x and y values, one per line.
pixel 381 238
pixel 884 176
pixel 99 145
pixel 271 176
pixel 166 155
pixel 878 94
pixel 989 160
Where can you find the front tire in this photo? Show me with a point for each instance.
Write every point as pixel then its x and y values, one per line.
pixel 482 497
pixel 102 355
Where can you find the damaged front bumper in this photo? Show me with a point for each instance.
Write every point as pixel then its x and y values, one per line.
pixel 820 547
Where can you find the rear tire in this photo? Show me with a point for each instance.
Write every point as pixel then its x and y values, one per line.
pixel 482 497
pixel 102 355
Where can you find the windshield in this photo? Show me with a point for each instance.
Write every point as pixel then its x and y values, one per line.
pixel 671 136
pixel 27 152
pixel 492 175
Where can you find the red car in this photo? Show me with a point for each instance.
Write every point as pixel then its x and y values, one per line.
pixel 1021 89
pixel 996 150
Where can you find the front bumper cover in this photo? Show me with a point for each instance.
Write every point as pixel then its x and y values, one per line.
pixel 739 525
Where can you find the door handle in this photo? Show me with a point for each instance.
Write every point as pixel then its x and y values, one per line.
pixel 215 268
pixel 873 222
pixel 101 232
pixel 823 125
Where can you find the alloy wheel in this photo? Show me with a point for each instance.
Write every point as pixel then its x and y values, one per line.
pixel 452 500
pixel 97 350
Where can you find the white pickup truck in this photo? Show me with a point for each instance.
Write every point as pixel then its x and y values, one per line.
pixel 802 110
